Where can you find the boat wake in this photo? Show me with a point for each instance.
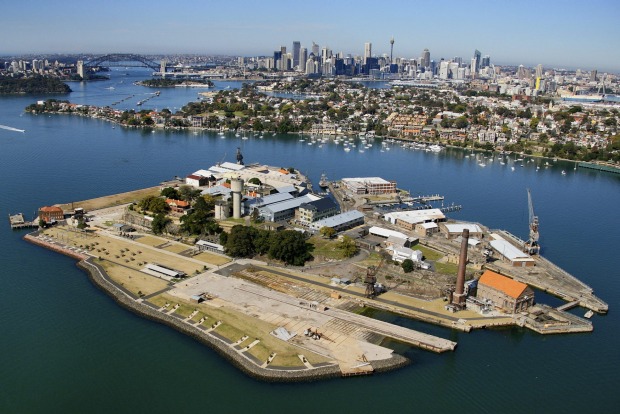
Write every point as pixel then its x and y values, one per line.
pixel 8 128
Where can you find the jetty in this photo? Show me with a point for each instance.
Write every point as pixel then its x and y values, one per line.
pixel 17 221
pixel 550 278
pixel 599 167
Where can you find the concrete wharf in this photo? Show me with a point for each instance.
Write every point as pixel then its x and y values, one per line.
pixel 17 221
pixel 550 278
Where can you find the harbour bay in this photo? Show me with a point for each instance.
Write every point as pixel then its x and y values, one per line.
pixel 68 347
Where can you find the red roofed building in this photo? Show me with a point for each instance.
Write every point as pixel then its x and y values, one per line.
pixel 506 294
pixel 178 206
pixel 48 214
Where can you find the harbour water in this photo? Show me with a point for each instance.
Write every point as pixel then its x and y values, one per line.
pixel 66 347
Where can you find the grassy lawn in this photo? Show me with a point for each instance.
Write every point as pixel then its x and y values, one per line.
pixel 429 254
pixel 289 360
pixel 185 310
pixel 260 352
pixel 326 248
pixel 211 258
pixel 112 200
pixel 235 325
pixel 446 268
pixel 372 260
pixel 133 280
pixel 177 248
pixel 151 241
pixel 229 332
pixel 159 301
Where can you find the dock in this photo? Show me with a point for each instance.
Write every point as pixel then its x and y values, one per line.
pixel 550 278
pixel 17 221
pixel 600 167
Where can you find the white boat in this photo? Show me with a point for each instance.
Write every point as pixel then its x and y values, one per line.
pixel 588 314
pixel 347 149
pixel 563 172
pixel 512 168
pixel 482 164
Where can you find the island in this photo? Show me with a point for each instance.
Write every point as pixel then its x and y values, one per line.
pixel 174 82
pixel 282 280
pixel 35 84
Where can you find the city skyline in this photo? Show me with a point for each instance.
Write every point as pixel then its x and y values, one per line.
pixel 555 34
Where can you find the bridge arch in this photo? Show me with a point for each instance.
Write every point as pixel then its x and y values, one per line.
pixel 115 59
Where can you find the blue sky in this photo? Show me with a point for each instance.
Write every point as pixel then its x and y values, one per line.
pixel 575 34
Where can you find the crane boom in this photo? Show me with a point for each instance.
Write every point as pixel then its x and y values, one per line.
pixel 531 245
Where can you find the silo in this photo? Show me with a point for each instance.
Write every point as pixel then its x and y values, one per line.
pixel 236 187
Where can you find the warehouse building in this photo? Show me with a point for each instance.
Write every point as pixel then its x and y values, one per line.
pixel 504 293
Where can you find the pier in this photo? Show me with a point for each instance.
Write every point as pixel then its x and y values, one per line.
pixel 17 221
pixel 550 278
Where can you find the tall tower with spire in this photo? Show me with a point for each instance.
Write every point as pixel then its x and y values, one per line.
pixel 392 50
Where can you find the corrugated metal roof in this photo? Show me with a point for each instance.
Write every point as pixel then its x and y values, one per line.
pixel 338 219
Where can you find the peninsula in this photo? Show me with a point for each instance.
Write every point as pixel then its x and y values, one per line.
pixel 279 279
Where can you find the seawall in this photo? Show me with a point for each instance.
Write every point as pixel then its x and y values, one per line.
pixel 98 277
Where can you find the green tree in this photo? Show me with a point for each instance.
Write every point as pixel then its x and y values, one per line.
pixel 156 205
pixel 290 247
pixel 170 192
pixel 327 232
pixel 240 241
pixel 188 193
pixel 407 265
pixel 159 224
pixel 255 181
pixel 348 247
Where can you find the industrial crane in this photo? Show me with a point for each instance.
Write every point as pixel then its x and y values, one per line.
pixel 371 280
pixel 531 245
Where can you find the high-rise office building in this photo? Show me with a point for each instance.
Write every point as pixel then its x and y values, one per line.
pixel 277 57
pixel 593 74
pixel 296 49
pixel 425 61
pixel 303 57
pixel 476 61
pixel 539 71
pixel 315 49
pixel 367 51
pixel 486 61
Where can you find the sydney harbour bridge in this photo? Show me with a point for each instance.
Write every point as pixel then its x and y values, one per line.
pixel 122 60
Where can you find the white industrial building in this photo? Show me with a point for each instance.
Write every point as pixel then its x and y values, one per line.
pixel 340 221
pixel 369 185
pixel 509 253
pixel 454 230
pixel 284 210
pixel 400 254
pixel 408 219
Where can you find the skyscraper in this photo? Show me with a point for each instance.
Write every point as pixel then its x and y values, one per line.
pixel 475 62
pixel 296 48
pixel 303 57
pixel 539 71
pixel 315 49
pixel 426 58
pixel 367 51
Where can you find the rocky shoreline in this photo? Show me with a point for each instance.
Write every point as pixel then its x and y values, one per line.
pixel 97 276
